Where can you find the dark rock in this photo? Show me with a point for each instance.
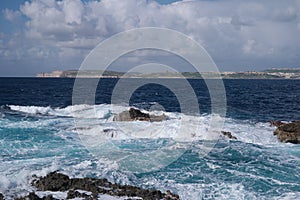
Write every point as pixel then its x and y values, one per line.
pixel 229 135
pixel 1 196
pixel 72 194
pixel 33 196
pixel 135 114
pixel 276 123
pixel 289 132
pixel 53 181
pixel 95 186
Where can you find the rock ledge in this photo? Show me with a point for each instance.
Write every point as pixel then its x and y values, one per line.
pixel 93 187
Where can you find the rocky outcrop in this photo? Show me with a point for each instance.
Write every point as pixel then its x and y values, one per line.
pixel 135 114
pixel 228 134
pixel 289 132
pixel 276 123
pixel 1 196
pixel 59 182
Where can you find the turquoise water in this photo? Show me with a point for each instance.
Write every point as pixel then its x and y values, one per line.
pixel 39 133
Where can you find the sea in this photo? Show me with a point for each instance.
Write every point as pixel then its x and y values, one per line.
pixel 42 130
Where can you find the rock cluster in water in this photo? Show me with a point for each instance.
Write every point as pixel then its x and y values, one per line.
pixel 287 132
pixel 228 134
pixel 93 187
pixel 136 115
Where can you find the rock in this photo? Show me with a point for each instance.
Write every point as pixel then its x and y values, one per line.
pixel 72 194
pixel 135 114
pixel 276 123
pixel 95 187
pixel 123 117
pixel 229 135
pixel 1 196
pixel 53 181
pixel 289 132
pixel 33 196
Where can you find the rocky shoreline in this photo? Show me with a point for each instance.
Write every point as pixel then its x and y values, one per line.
pixel 88 189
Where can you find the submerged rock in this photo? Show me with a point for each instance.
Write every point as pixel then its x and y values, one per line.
pixel 59 182
pixel 228 134
pixel 289 132
pixel 135 114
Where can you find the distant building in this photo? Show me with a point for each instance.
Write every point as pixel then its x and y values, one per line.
pixel 54 74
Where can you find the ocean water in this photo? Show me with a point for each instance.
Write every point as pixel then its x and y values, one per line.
pixel 41 131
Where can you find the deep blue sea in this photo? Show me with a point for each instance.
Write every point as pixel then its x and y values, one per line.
pixel 42 131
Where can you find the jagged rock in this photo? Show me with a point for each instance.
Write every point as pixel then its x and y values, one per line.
pixel 135 114
pixel 33 196
pixel 72 194
pixel 276 123
pixel 289 132
pixel 1 196
pixel 96 187
pixel 228 134
pixel 53 181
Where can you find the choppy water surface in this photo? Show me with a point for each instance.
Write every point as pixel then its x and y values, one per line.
pixel 38 135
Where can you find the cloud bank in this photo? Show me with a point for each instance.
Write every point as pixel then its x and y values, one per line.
pixel 239 35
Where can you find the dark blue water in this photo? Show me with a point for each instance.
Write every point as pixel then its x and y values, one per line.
pixel 259 100
pixel 38 135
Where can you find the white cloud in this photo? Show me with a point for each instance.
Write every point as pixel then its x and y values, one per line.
pixel 73 10
pixel 230 30
pixel 12 16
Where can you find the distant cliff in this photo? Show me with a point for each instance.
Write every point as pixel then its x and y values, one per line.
pixel 283 73
pixel 82 74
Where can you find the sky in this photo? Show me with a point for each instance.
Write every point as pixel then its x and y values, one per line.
pixel 46 35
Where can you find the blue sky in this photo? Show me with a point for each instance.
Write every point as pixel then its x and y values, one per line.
pixel 46 35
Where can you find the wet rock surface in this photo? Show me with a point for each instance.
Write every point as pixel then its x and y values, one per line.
pixel 136 115
pixel 91 188
pixel 228 134
pixel 289 132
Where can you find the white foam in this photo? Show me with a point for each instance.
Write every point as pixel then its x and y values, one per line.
pixel 57 195
pixel 108 197
pixel 249 132
pixel 77 111
pixel 180 126
pixel 31 109
pixel 92 121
